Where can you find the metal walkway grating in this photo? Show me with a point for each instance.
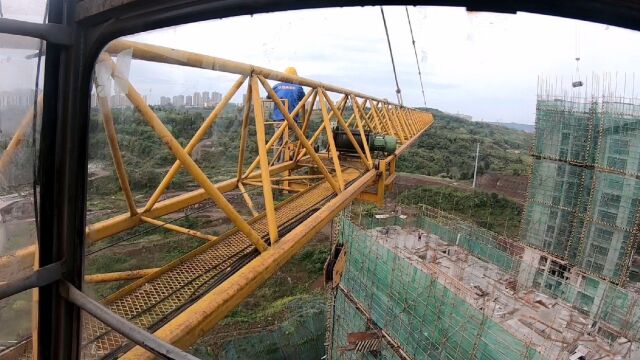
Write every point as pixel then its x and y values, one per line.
pixel 151 301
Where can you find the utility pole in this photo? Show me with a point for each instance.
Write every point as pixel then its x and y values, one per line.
pixel 475 170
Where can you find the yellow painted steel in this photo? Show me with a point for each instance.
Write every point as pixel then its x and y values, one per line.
pixel 297 177
pixel 190 165
pixel 315 135
pixel 17 264
pixel 18 137
pixel 275 137
pixel 361 116
pixel 260 184
pixel 321 196
pixel 386 125
pixel 395 123
pixel 247 199
pixel 264 161
pixel 112 138
pixel 117 224
pixel 167 55
pixel 180 229
pixel 118 276
pixel 195 140
pixel 306 120
pixel 278 134
pixel 299 134
pixel 190 325
pixel 244 133
pixel 332 144
pixel 363 138
pixel 346 129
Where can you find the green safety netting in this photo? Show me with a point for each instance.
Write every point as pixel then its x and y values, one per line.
pixel 424 317
pixel 583 196
pixel 300 336
pixel 597 298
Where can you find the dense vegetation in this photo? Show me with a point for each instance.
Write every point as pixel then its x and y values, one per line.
pixel 147 158
pixel 490 211
pixel 448 149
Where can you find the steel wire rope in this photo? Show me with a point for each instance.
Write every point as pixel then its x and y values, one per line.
pixel 413 41
pixel 393 63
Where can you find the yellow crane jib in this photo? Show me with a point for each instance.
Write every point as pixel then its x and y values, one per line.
pixel 185 298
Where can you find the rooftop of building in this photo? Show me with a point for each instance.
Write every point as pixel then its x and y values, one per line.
pixel 552 326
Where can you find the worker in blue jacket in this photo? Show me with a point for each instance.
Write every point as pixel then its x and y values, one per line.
pixel 291 92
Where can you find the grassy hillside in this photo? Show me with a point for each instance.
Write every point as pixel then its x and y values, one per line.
pixel 490 211
pixel 448 149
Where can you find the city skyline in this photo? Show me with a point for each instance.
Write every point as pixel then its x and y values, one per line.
pixel 197 99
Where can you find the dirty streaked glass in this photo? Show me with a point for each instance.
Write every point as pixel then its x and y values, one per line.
pixel 23 10
pixel 19 137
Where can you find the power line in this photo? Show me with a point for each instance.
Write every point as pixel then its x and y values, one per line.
pixel 413 41
pixel 393 64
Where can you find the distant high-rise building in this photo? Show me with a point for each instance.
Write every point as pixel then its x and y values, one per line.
pixel 165 100
pixel 197 99
pixel 179 100
pixel 216 97
pixel 205 98
pixel 119 100
pixel 18 98
pixel 188 100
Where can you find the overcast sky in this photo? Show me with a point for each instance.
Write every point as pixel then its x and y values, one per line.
pixel 481 64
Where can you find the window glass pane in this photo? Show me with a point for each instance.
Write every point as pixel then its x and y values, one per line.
pixel 25 10
pixel 18 151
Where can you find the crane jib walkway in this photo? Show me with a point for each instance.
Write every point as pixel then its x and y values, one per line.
pixel 183 300
pixel 153 300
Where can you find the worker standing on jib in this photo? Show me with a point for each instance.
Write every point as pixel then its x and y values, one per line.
pixel 286 91
pixel 293 94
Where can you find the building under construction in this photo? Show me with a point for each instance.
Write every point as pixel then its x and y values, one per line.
pixel 430 285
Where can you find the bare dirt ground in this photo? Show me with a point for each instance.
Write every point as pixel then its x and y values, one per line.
pixel 511 186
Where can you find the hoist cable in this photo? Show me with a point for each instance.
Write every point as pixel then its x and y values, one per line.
pixel 413 41
pixel 393 64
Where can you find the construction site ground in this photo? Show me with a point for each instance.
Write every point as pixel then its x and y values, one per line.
pixel 551 326
pixel 511 186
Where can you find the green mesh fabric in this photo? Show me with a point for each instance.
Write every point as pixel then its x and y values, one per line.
pixel 424 317
pixel 583 196
pixel 597 298
pixel 301 336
